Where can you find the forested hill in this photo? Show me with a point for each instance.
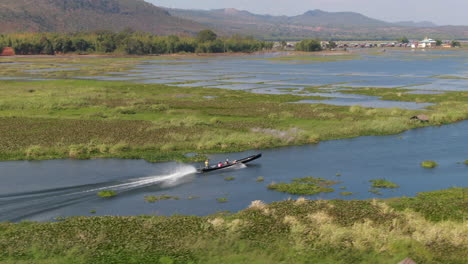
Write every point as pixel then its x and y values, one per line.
pixel 314 24
pixel 89 15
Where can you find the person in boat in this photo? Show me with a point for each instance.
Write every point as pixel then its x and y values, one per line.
pixel 207 163
pixel 226 162
pixel 220 164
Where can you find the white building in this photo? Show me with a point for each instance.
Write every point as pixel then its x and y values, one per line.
pixel 426 43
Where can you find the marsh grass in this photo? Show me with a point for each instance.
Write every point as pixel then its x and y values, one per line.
pixel 260 179
pixel 304 186
pixel 229 178
pixel 429 164
pixel 466 162
pixel 375 192
pixel 153 198
pixel 91 119
pixel 346 193
pixel 107 193
pixel 382 183
pixel 429 228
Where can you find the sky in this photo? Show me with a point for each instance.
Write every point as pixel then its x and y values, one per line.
pixel 441 12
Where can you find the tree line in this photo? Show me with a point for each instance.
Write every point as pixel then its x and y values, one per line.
pixel 127 42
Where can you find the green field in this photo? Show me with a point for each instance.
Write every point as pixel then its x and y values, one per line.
pixel 430 228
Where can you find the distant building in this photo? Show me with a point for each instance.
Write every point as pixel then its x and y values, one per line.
pixel 8 51
pixel 426 43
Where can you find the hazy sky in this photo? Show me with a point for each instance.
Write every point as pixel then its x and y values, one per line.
pixel 442 12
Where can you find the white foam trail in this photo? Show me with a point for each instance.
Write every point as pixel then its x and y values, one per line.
pixel 239 166
pixel 169 180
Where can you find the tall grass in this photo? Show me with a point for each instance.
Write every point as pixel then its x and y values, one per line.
pixel 302 231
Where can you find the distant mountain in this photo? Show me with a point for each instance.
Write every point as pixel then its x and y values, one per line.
pixel 89 15
pixel 415 24
pixel 339 19
pixel 314 24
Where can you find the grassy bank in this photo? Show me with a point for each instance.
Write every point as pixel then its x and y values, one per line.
pixel 86 119
pixel 429 228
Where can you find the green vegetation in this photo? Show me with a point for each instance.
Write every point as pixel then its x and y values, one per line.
pixel 222 200
pixel 84 119
pixel 304 186
pixel 429 228
pixel 309 45
pixel 466 162
pixel 229 178
pixel 107 194
pixel 126 42
pixel 429 164
pixel 92 211
pixel 153 198
pixel 382 183
pixel 260 179
pixel 193 197
pixel 346 193
pixel 455 44
pixel 375 192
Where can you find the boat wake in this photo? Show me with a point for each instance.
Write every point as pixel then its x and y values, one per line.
pixel 18 206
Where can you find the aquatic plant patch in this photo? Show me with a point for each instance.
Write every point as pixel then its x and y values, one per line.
pixel 304 186
pixel 383 183
pixel 153 198
pixel 222 200
pixel 429 164
pixel 107 194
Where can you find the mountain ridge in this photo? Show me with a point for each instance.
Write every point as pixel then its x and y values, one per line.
pixel 314 24
pixel 89 15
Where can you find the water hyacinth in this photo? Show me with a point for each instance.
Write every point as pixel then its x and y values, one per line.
pixel 429 164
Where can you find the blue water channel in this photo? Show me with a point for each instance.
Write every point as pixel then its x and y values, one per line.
pixel 44 190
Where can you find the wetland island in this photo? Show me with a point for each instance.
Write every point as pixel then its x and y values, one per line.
pixel 104 132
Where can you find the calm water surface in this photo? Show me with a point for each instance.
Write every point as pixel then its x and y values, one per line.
pixel 43 190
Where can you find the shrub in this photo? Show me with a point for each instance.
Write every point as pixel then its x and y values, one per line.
pixel 429 164
pixel 118 148
pixel 159 107
pixel 106 194
pixel 74 151
pixel 382 183
pixel 34 151
pixel 126 110
pixel 356 109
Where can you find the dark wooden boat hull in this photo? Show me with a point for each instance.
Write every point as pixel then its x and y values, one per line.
pixel 244 161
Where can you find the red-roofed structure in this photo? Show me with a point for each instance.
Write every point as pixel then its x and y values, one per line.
pixel 8 51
